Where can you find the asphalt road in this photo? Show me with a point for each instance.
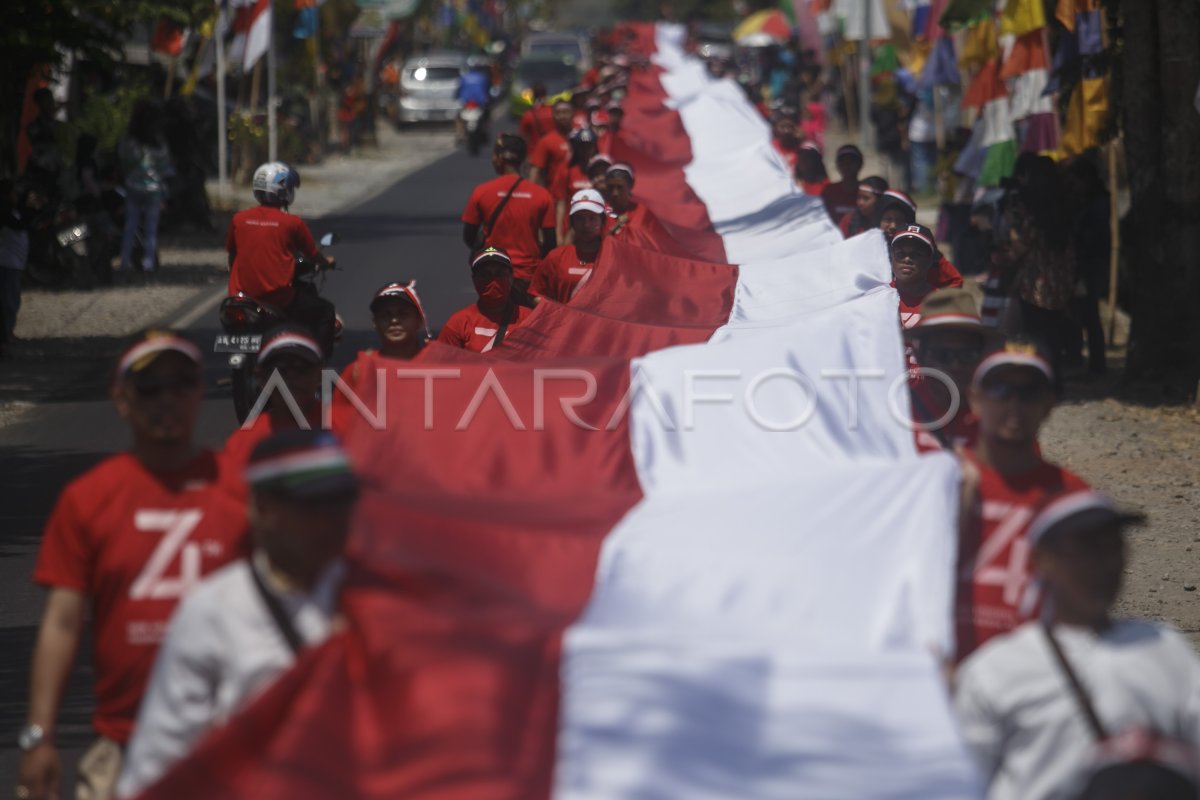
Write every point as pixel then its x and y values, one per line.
pixel 412 230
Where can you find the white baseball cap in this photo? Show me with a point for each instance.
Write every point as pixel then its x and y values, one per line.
pixel 587 200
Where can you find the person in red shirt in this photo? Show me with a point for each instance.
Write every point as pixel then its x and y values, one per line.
pixel 947 345
pixel 538 119
pixel 553 149
pixel 785 136
pixel 263 243
pixel 128 539
pixel 866 212
pixel 572 176
pixel 597 171
pixel 810 170
pixel 840 197
pixel 912 252
pixel 897 211
pixel 483 325
pixel 1005 480
pixel 289 363
pixel 567 269
pixel 399 320
pixel 524 226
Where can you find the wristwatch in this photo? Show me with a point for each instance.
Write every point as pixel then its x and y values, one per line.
pixel 30 737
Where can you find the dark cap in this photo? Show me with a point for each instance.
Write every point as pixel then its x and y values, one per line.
pixel 290 340
pixel 302 465
pixel 1079 510
pixel 916 232
pixel 849 151
pixel 145 349
pixel 398 290
pixel 490 254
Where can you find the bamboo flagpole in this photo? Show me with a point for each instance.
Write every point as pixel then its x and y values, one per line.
pixel 1114 234
pixel 222 122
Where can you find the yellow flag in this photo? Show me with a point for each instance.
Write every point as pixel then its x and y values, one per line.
pixel 1085 116
pixel 979 46
pixel 1022 16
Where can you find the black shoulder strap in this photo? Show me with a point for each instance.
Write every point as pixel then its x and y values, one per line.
pixel 282 621
pixel 509 308
pixel 486 231
pixel 1081 695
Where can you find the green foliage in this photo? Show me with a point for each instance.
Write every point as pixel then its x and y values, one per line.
pixel 107 116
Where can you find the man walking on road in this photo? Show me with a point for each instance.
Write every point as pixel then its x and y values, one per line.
pixel 567 269
pixel 1005 479
pixel 247 623
pixel 511 213
pixel 553 149
pixel 129 538
pixel 483 325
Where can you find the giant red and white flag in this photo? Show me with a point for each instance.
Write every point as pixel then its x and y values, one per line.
pixel 673 540
pixel 251 32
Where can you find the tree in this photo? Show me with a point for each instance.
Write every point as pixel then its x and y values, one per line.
pixel 40 32
pixel 1158 73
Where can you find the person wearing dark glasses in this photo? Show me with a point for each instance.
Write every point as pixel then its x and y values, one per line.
pixel 129 539
pixel 1012 392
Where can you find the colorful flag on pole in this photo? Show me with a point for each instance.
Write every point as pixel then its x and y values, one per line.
pixel 168 38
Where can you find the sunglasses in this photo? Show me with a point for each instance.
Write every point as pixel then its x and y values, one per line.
pixel 154 387
pixel 1025 393
pixel 952 356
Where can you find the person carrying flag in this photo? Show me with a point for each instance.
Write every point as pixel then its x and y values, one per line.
pixel 567 269
pixel 247 623
pixel 483 325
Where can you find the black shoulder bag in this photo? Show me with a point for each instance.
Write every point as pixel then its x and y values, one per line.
pixel 482 236
pixel 1081 695
pixel 282 621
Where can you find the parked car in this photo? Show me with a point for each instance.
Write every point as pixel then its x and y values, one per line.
pixel 564 45
pixel 559 74
pixel 428 87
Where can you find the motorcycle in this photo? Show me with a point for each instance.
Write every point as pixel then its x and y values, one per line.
pixel 69 248
pixel 244 320
pixel 475 125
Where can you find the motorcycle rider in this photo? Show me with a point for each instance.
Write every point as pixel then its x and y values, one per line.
pixel 263 244
pixel 473 87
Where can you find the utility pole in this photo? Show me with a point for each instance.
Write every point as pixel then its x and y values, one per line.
pixel 864 79
pixel 222 122
pixel 272 99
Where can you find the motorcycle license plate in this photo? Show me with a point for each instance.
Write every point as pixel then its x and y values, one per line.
pixel 243 343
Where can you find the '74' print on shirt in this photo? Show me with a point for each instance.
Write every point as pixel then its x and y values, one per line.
pixel 175 525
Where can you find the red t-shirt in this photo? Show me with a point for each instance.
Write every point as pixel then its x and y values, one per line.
pixel 840 199
pixel 561 274
pixel 814 188
pixel 910 308
pixel 535 123
pixel 944 274
pixel 569 179
pixel 604 142
pixel 552 150
pixel 265 242
pixel 995 589
pixel 240 444
pixel 135 542
pixel 789 156
pixel 529 210
pixel 473 329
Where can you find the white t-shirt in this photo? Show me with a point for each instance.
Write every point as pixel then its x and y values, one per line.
pixel 222 647
pixel 1020 716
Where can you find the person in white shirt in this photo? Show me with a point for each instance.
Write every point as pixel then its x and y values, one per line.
pixel 245 624
pixel 1036 735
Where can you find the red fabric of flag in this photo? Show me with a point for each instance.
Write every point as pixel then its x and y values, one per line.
pixel 167 38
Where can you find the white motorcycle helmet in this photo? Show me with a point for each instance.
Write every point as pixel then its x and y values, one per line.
pixel 275 184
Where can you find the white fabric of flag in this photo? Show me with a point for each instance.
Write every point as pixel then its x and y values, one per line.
pixel 765 623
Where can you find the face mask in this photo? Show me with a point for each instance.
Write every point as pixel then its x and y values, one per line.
pixel 493 292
